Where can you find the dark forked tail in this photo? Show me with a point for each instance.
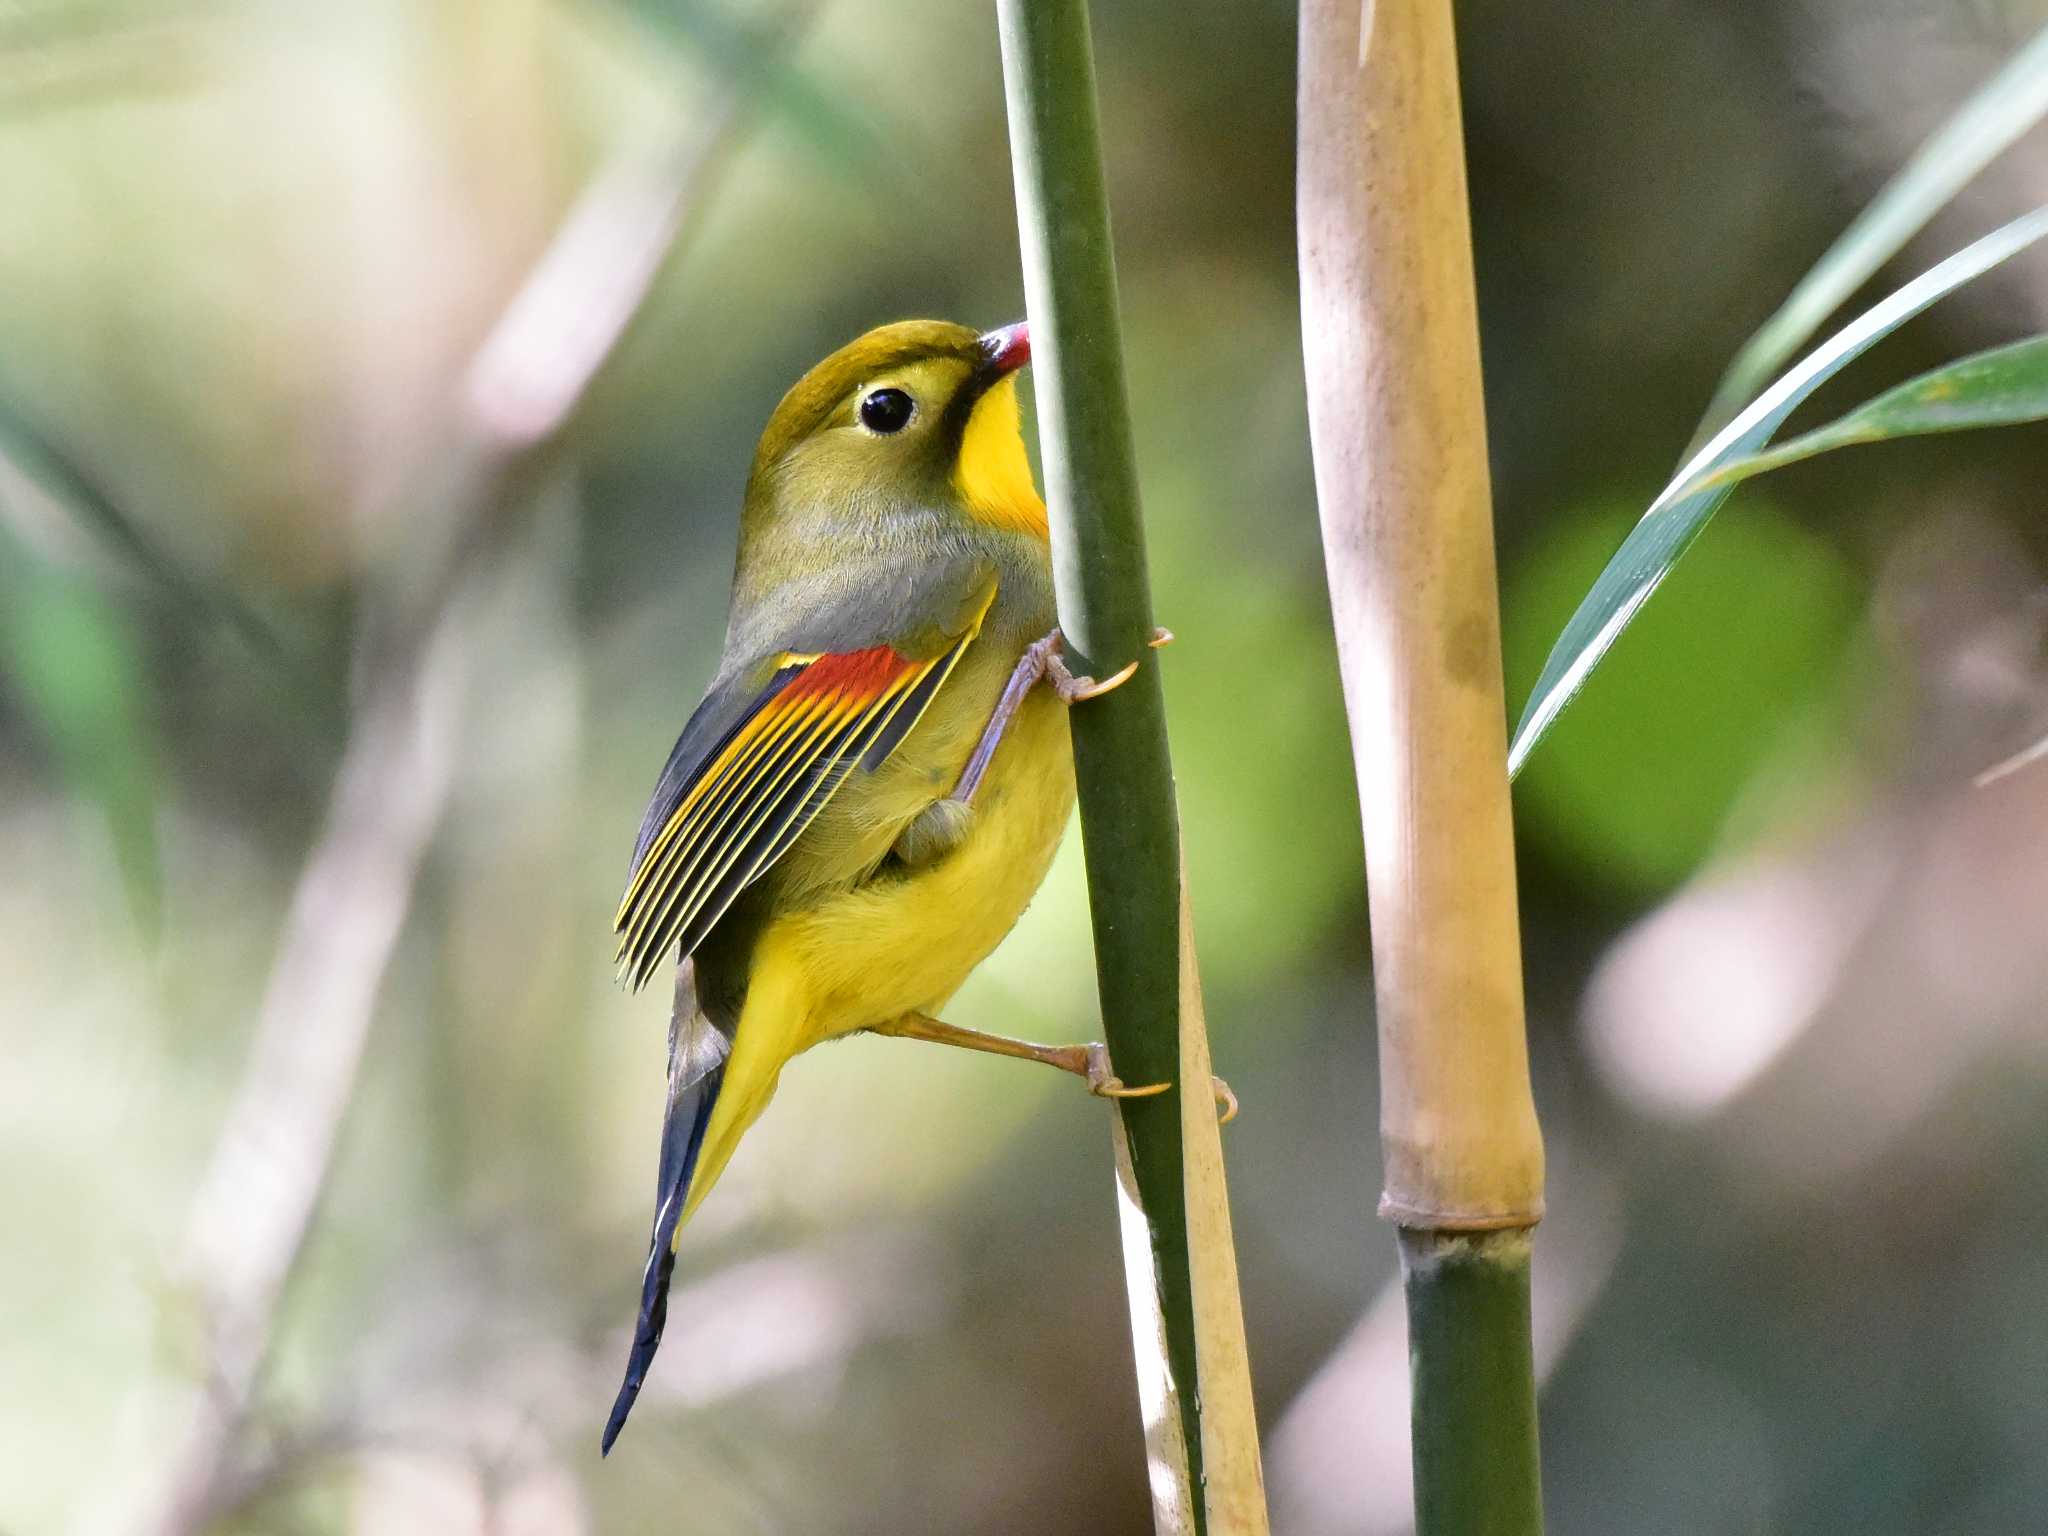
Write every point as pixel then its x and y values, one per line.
pixel 696 1072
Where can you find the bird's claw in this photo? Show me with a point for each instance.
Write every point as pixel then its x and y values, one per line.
pixel 1225 1098
pixel 1074 689
pixel 1105 1084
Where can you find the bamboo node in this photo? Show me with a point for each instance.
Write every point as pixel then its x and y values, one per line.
pixel 1416 1218
pixel 1427 1250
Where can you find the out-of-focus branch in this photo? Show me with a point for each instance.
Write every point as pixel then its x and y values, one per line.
pixel 771 1318
pixel 270 1166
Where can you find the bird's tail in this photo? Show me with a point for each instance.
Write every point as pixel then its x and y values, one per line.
pixel 718 1084
pixel 696 1073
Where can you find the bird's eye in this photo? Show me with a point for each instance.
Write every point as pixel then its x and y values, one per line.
pixel 887 410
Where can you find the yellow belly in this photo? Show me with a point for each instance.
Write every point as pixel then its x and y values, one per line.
pixel 906 942
pixel 844 959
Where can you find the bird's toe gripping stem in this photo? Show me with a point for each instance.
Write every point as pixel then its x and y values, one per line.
pixel 1105 1084
pixel 1075 688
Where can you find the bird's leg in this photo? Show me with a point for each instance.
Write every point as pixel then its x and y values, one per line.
pixel 1090 1063
pixel 1041 660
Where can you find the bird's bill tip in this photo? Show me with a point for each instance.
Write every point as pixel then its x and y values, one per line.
pixel 1007 348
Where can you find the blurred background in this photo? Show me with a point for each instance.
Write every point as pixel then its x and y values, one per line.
pixel 353 586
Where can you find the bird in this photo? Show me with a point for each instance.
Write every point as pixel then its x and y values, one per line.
pixel 878 776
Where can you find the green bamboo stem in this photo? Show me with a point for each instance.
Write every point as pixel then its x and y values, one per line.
pixel 1391 343
pixel 1128 821
pixel 1474 1383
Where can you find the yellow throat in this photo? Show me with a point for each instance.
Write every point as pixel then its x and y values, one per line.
pixel 993 475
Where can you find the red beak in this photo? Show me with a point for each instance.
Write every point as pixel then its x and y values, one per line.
pixel 1007 349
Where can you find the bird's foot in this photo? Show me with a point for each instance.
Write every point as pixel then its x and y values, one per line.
pixel 1104 1083
pixel 1074 688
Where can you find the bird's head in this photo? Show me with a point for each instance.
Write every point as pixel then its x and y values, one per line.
pixel 920 412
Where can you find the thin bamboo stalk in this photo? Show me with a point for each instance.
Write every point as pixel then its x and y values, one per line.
pixel 1091 484
pixel 1188 1330
pixel 1390 337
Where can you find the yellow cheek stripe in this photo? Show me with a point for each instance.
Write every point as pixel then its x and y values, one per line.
pixel 993 476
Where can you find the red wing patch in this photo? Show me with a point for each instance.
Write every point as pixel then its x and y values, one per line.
pixel 813 722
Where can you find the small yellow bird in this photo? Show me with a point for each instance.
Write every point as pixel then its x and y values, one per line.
pixel 873 787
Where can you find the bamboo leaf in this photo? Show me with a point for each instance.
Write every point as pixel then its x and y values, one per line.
pixel 1676 517
pixel 2003 387
pixel 2006 106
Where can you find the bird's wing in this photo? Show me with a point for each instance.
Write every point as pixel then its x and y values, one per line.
pixel 758 762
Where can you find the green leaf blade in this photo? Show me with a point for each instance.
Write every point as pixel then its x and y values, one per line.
pixel 2004 108
pixel 1679 514
pixel 2003 387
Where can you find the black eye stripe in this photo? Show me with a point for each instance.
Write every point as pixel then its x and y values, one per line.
pixel 887 410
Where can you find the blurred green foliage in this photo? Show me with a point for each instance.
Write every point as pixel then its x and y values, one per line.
pixel 72 654
pixel 1743 645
